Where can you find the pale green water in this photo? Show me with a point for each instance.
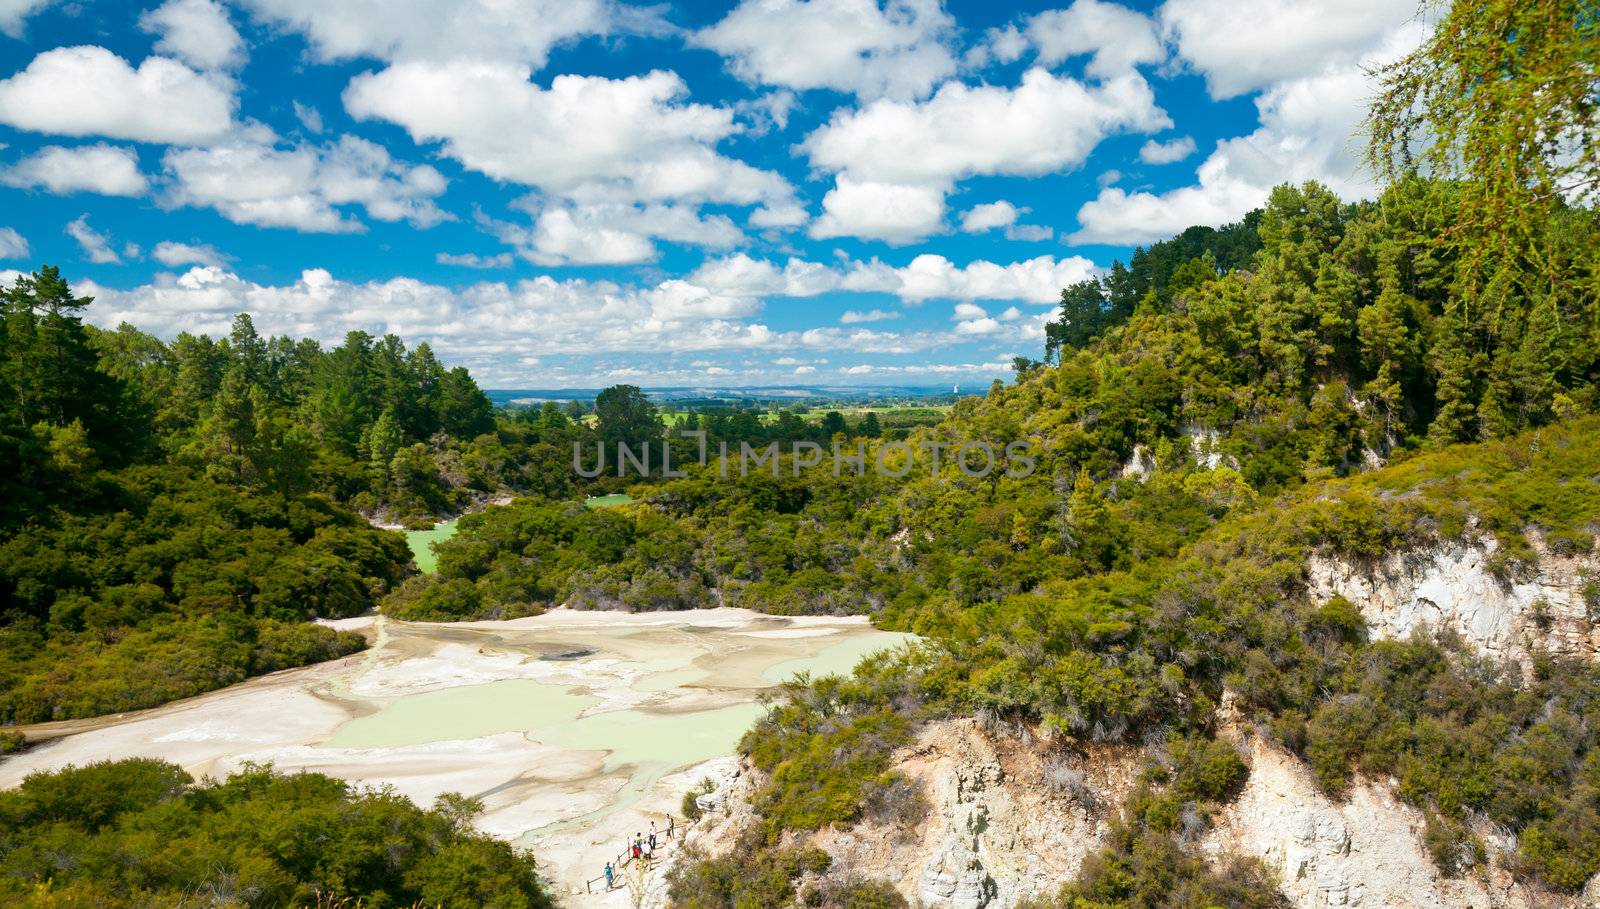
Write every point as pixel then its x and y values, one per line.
pixel 468 712
pixel 422 551
pixel 620 498
pixel 671 739
pixel 840 658
pixel 549 714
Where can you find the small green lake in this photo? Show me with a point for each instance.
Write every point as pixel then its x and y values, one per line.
pixel 619 498
pixel 421 543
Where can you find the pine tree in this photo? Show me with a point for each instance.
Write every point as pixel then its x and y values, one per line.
pixel 345 395
pixel 249 352
pixel 427 390
pixel 870 427
pixel 51 373
pixel 1333 317
pixel 465 412
pixel 1539 362
pixel 224 445
pixel 200 365
pixel 1388 348
pixel 1302 305
pixel 382 440
pixel 1451 360
pixel 1085 533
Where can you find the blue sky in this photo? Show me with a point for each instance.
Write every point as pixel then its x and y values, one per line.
pixel 577 192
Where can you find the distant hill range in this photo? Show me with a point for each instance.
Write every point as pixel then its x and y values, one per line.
pixel 710 396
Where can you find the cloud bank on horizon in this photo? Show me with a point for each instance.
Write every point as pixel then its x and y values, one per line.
pixel 580 192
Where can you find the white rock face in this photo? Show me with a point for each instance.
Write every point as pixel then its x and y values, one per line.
pixel 1364 852
pixel 954 877
pixel 1206 446
pixel 1452 587
pixel 1140 464
pixel 994 833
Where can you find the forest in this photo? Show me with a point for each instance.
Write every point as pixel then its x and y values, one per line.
pixel 179 511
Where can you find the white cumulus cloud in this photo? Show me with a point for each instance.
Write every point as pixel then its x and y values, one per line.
pixel 173 254
pixel 197 32
pixel 489 326
pixel 896 48
pixel 894 212
pixel 741 275
pixel 101 168
pixel 611 234
pixel 1118 38
pixel 1037 280
pixel 304 187
pixel 989 216
pixel 926 277
pixel 13 13
pixel 1244 45
pixel 1044 125
pixel 89 91
pixel 1168 152
pixel 1307 132
pixel 588 138
pixel 511 30
pixel 854 317
pixel 96 246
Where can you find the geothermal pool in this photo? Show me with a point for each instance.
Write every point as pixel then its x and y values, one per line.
pixel 421 543
pixel 575 728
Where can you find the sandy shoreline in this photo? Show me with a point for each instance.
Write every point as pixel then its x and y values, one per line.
pixel 573 727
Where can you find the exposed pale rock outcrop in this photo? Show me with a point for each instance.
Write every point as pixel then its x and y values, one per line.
pixel 995 832
pixel 1365 851
pixel 1206 447
pixel 1453 586
pixel 1140 464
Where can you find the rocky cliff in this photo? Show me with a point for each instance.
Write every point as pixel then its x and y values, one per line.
pixel 1008 821
pixel 1006 818
pixel 1507 612
pixel 1011 818
pixel 1364 851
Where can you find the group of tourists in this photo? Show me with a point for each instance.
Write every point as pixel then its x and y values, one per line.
pixel 641 848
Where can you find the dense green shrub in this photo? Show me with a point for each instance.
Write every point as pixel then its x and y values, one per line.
pixel 826 745
pixel 140 832
pixel 88 676
pixel 749 875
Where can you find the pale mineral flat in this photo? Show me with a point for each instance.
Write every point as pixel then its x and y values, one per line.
pixel 577 729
